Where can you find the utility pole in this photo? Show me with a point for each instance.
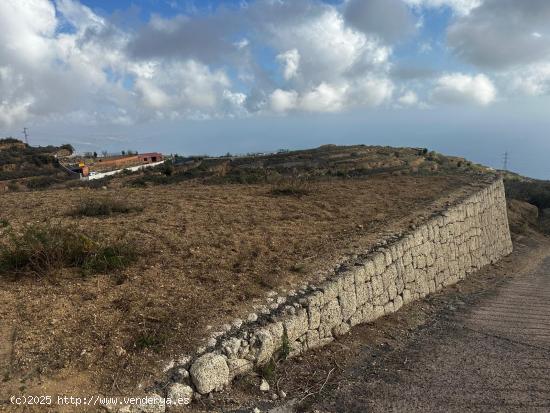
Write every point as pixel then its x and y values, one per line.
pixel 26 135
pixel 506 161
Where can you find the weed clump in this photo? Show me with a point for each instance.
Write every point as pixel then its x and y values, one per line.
pixel 103 206
pixel 43 248
pixel 149 340
pixel 290 187
pixel 269 370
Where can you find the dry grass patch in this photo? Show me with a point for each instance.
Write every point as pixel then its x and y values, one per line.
pixel 101 206
pixel 43 248
pixel 291 187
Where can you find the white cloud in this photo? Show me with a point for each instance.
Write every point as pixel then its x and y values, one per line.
pixel 339 67
pixel 283 101
pixel 458 88
pixel 328 49
pixel 512 39
pixel 334 97
pixel 152 95
pixel 409 98
pixel 85 73
pixel 533 80
pixel 291 63
pixel 78 15
pixel 63 60
pixel 324 98
pixel 183 88
pixel 370 91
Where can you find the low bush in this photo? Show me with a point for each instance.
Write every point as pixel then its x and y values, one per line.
pixel 102 206
pixel 534 192
pixel 42 182
pixel 42 248
pixel 4 223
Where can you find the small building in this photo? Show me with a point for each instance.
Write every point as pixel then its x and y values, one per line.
pixel 150 157
pixel 82 169
pixel 115 162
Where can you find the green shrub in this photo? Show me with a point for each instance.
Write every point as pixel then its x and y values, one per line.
pixel 4 223
pixel 102 206
pixel 167 168
pixel 42 248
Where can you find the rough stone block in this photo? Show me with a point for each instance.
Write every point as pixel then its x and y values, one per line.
pixel 331 315
pixel 265 346
pixel 348 304
pixel 238 367
pixel 297 325
pixel 379 261
pixel 377 286
pixel 397 303
pixel 360 275
pixel 363 293
pixel 314 316
pixel 340 330
pixel 180 392
pixel 312 339
pixel 330 291
pixel 392 291
pixel 209 372
pixel 369 269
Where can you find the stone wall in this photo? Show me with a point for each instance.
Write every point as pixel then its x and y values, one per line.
pixel 462 239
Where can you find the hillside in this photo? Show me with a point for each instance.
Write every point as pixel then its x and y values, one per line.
pixel 328 161
pixel 29 165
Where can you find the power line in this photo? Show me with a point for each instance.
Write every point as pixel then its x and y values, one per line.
pixel 26 135
pixel 505 161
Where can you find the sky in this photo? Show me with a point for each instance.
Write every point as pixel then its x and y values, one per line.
pixel 463 77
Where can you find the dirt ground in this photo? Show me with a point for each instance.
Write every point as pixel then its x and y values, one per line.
pixel 481 345
pixel 205 250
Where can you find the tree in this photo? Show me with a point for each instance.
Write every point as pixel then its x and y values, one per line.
pixel 68 147
pixel 123 153
pixel 95 155
pixel 104 153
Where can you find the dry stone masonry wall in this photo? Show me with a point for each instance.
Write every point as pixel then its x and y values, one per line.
pixel 445 249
